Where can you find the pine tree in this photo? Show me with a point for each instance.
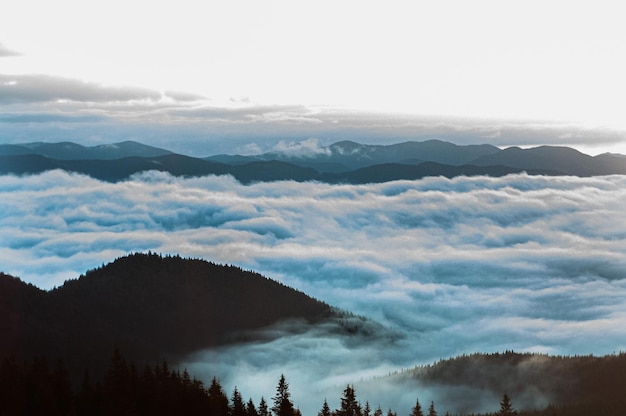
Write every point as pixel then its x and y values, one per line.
pixel 325 410
pixel 378 411
pixel 251 409
pixel 349 405
pixel 237 407
pixel 366 409
pixel 506 409
pixel 263 410
pixel 417 409
pixel 217 400
pixel 283 406
pixel 431 409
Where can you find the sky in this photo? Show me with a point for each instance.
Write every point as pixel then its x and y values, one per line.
pixel 449 266
pixel 212 77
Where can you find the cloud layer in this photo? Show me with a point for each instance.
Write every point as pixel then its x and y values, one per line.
pixel 455 266
pixel 92 113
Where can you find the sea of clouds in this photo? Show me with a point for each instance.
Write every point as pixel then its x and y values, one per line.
pixel 453 266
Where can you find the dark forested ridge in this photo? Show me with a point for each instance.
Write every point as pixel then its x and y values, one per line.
pixel 342 162
pixel 150 306
pixel 540 384
pixel 593 386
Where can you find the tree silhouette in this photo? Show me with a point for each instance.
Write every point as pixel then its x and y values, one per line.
pixel 349 405
pixel 417 409
pixel 237 407
pixel 283 406
pixel 506 409
pixel 263 409
pixel 251 408
pixel 431 409
pixel 218 402
pixel 325 410
pixel 367 411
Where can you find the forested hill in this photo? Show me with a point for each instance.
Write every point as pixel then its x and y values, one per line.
pixel 541 385
pixel 148 306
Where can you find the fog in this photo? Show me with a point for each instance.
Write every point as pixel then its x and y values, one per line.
pixel 450 266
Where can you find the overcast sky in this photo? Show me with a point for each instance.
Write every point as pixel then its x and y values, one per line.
pixel 164 72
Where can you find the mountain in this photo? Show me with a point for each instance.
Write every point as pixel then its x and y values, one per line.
pixel 347 155
pixel 563 159
pixel 396 171
pixel 14 149
pixel 411 152
pixel 233 159
pixel 150 307
pixel 112 170
pixel 73 151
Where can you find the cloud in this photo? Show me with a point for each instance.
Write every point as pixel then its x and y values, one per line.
pixel 306 148
pixel 528 263
pixel 44 88
pixel 184 96
pixel 50 118
pixel 5 52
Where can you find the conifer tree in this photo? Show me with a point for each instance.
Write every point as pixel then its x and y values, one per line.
pixel 325 410
pixel 431 409
pixel 237 407
pixel 217 399
pixel 417 409
pixel 251 409
pixel 378 411
pixel 283 406
pixel 349 405
pixel 506 409
pixel 263 409
pixel 366 409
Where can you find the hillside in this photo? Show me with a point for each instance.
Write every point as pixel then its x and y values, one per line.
pixel 538 384
pixel 148 306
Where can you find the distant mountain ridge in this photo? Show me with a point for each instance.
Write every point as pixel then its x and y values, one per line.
pixel 347 155
pixel 73 151
pixel 341 162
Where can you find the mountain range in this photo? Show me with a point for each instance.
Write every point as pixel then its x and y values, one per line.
pixel 341 162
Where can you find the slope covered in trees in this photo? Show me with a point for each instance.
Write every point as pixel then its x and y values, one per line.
pixel 150 307
pixel 567 385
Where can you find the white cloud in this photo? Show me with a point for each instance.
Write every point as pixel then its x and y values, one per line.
pixel 306 148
